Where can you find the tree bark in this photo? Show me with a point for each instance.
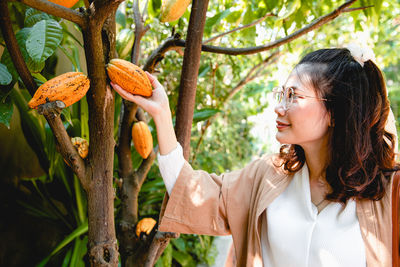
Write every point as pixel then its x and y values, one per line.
pixel 99 47
pixel 190 69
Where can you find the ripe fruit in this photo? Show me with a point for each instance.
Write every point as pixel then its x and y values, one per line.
pixel 81 145
pixel 129 76
pixel 142 139
pixel 145 225
pixel 173 9
pixel 69 88
pixel 66 3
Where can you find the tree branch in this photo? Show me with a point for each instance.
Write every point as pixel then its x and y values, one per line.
pixel 172 43
pixel 159 243
pixel 159 53
pixel 65 147
pixel 13 49
pixel 257 49
pixel 239 28
pixel 57 10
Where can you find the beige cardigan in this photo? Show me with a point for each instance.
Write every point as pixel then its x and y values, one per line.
pixel 233 203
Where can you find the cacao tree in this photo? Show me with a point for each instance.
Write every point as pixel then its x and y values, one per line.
pixel 106 186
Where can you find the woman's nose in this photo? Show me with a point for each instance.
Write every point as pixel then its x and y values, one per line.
pixel 280 109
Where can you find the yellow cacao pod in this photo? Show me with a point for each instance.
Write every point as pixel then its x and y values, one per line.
pixel 129 76
pixel 173 9
pixel 81 145
pixel 66 3
pixel 69 88
pixel 145 225
pixel 142 139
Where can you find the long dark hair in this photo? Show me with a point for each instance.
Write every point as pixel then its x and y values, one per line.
pixel 361 151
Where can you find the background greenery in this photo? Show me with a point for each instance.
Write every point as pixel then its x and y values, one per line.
pixel 44 205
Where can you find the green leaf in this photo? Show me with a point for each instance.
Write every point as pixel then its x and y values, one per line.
pixel 183 258
pixel 215 19
pixel 6 111
pixel 44 39
pixel 203 114
pixel 83 228
pixel 32 16
pixel 5 75
pixel 203 70
pixel 179 244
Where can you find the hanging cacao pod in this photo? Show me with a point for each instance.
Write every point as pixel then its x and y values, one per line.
pixel 173 9
pixel 81 145
pixel 69 88
pixel 130 77
pixel 145 225
pixel 66 3
pixel 142 139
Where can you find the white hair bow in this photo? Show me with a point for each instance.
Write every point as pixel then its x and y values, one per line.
pixel 361 54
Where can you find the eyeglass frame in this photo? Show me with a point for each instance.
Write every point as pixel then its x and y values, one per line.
pixel 281 90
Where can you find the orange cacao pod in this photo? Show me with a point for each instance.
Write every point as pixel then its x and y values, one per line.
pixel 129 76
pixel 142 139
pixel 69 88
pixel 173 9
pixel 81 145
pixel 66 3
pixel 145 225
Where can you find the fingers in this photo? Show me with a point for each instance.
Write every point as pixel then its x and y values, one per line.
pixel 153 80
pixel 141 101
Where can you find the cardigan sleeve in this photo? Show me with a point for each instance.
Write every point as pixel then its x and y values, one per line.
pixel 207 204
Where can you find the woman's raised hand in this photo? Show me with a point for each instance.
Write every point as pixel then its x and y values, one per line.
pixel 158 107
pixel 155 105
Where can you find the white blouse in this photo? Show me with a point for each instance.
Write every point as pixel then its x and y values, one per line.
pixel 293 233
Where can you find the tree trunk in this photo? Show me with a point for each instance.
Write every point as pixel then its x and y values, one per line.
pixel 190 70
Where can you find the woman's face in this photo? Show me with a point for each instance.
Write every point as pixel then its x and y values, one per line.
pixel 305 122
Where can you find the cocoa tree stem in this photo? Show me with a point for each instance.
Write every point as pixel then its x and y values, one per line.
pixel 190 69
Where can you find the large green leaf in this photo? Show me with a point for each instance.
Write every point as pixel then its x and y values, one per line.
pixel 215 19
pixel 5 75
pixel 21 36
pixel 32 16
pixel 203 114
pixel 44 39
pixel 76 233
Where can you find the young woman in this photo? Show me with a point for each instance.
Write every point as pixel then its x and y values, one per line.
pixel 324 200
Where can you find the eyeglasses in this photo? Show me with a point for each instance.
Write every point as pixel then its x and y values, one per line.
pixel 286 96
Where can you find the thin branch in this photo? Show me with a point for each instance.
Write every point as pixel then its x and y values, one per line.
pixel 145 167
pixel 160 241
pixel 56 10
pixel 239 28
pixel 171 43
pixel 65 147
pixel 357 8
pixel 257 49
pixel 158 54
pixel 13 49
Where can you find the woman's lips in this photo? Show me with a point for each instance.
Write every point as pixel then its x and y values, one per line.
pixel 281 125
